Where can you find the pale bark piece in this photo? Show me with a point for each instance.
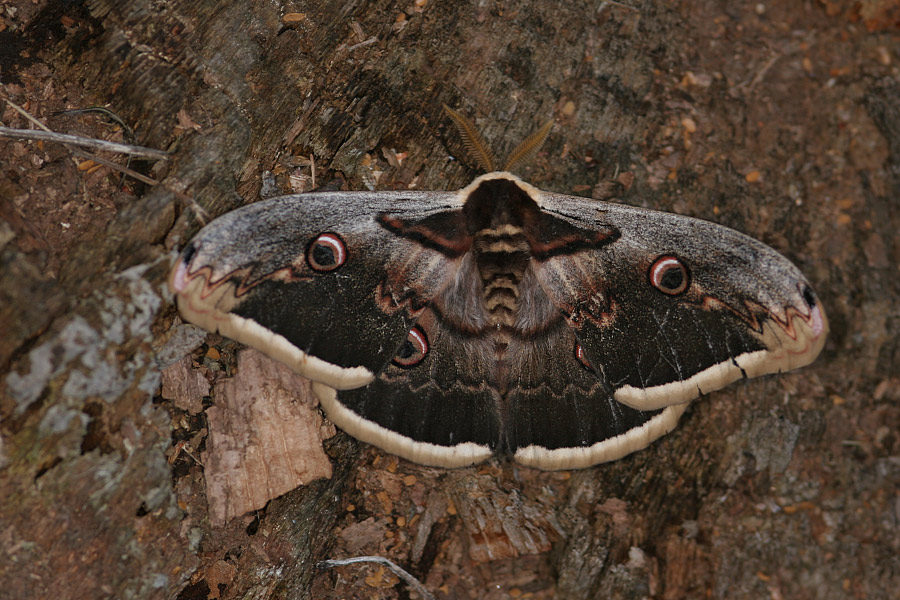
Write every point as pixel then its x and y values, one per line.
pixel 265 437
pixel 503 524
pixel 185 386
pixel 368 533
pixel 435 508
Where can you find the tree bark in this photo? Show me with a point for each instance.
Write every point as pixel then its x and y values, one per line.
pixel 780 121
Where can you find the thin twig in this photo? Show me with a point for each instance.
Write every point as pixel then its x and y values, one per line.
pixel 116 167
pixel 126 130
pixel 620 5
pixel 73 140
pixel 394 567
pixel 26 114
pixel 77 140
pixel 762 72
pixel 127 134
pixel 367 42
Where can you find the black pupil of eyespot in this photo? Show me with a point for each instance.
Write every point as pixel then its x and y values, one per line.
pixel 323 254
pixel 407 350
pixel 672 279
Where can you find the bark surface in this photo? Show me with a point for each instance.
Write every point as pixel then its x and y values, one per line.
pixel 781 120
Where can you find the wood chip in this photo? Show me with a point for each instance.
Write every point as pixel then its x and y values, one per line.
pixel 502 524
pixel 185 386
pixel 265 437
pixel 365 535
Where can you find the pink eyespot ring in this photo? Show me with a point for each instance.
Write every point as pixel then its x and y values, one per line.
pixel 326 252
pixel 669 275
pixel 414 349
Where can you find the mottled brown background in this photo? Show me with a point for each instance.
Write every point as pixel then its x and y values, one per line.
pixel 779 119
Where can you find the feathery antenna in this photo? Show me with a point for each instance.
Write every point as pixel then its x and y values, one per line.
pixel 526 150
pixel 480 151
pixel 473 141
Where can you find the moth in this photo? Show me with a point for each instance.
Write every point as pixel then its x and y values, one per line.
pixel 449 327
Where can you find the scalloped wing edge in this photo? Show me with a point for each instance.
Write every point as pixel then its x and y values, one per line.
pixel 199 305
pixel 607 450
pixel 792 345
pixel 424 453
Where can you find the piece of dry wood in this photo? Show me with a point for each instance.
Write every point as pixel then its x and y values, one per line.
pixel 502 524
pixel 184 386
pixel 265 437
